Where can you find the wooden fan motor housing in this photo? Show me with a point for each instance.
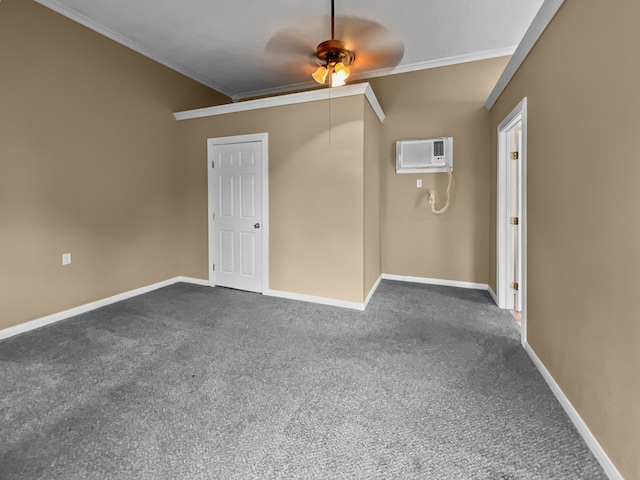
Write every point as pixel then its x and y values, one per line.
pixel 334 51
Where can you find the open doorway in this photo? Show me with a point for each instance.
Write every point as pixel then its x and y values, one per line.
pixel 511 215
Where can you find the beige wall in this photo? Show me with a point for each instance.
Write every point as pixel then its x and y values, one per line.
pixel 581 81
pixel 446 101
pixel 315 194
pixel 88 150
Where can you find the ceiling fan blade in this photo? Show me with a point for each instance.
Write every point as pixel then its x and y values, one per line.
pixel 387 56
pixel 291 55
pixel 374 45
pixel 359 33
pixel 290 45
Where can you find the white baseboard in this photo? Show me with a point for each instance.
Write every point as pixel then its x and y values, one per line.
pixel 56 317
pixel 597 450
pixel 435 281
pixel 195 281
pixel 372 291
pixel 493 294
pixel 313 299
pixel 385 276
pixel 72 312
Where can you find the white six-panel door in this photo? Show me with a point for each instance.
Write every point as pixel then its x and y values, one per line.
pixel 237 233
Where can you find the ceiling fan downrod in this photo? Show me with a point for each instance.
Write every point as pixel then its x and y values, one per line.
pixel 333 22
pixel 334 58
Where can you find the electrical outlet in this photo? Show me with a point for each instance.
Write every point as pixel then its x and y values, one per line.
pixel 66 258
pixel 419 183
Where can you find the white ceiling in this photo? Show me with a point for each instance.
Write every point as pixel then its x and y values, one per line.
pixel 222 43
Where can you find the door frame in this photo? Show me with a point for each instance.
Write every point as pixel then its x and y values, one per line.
pixel 518 114
pixel 263 138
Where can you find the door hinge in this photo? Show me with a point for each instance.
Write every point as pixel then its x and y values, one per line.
pixel 514 155
pixel 514 285
pixel 515 221
pixel 213 164
pixel 214 215
pixel 214 267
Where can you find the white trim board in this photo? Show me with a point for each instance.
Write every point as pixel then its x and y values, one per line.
pixel 136 47
pixel 72 312
pixel 518 114
pixel 372 291
pixel 290 99
pixel 314 299
pixel 436 281
pixel 413 67
pixel 542 19
pixel 437 62
pixel 593 444
pixel 493 294
pixel 192 280
pixel 325 300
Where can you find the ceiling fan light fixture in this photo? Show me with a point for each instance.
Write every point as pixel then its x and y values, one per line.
pixel 341 71
pixel 339 75
pixel 333 57
pixel 336 81
pixel 320 75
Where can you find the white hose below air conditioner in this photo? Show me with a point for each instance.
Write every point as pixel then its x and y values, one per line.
pixel 432 196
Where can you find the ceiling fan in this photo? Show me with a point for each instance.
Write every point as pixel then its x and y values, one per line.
pixel 356 44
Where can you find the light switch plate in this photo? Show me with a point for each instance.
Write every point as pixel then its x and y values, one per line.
pixel 66 258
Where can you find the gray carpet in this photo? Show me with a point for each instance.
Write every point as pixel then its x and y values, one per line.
pixel 189 382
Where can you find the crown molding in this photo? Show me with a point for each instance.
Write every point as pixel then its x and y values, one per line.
pixel 414 67
pixel 438 62
pixel 116 37
pixel 542 19
pixel 291 88
pixel 290 99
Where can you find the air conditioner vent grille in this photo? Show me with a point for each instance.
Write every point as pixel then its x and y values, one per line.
pixel 438 148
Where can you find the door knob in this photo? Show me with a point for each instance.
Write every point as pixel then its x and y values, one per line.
pixel 257 225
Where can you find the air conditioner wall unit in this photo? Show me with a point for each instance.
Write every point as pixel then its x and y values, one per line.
pixel 432 155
